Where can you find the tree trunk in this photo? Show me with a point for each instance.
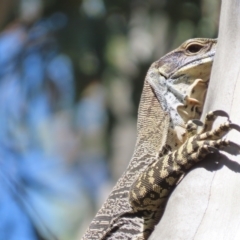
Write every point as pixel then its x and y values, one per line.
pixel 205 205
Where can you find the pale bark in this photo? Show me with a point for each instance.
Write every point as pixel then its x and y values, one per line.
pixel 205 205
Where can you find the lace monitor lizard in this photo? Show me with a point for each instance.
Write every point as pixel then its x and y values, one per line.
pixel 170 140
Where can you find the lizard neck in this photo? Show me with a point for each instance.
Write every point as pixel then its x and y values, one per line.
pixel 153 122
pixel 155 129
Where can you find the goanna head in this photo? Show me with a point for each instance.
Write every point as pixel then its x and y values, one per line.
pixel 180 79
pixel 194 58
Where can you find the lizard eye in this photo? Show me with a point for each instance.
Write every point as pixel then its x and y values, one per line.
pixel 194 48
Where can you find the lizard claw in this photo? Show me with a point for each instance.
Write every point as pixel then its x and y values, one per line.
pixel 234 126
pixel 233 144
pixel 212 149
pixel 197 122
pixel 220 113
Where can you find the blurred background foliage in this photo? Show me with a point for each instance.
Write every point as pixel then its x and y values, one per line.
pixel 71 76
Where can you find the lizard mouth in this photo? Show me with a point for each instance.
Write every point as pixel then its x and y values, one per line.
pixel 178 71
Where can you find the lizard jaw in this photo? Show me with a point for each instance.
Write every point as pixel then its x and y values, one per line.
pixel 182 100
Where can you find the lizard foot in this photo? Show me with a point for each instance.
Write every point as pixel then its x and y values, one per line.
pixel 199 145
pixel 210 118
pixel 152 187
pixel 192 125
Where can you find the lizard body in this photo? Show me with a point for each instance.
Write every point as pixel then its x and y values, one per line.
pixel 173 93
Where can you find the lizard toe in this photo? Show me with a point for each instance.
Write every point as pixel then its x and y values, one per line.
pixel 210 118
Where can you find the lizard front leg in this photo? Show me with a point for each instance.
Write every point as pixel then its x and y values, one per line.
pixel 151 189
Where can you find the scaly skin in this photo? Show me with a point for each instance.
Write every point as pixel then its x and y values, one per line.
pixel 173 93
pixel 152 188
